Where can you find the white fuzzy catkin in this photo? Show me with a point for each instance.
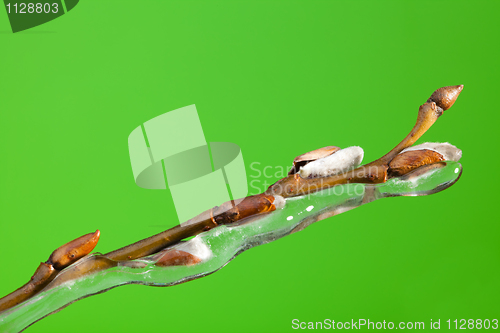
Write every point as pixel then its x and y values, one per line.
pixel 341 161
pixel 279 202
pixel 196 247
pixel 449 151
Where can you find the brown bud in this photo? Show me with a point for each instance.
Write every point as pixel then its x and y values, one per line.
pixel 85 267
pixel 410 160
pixel 314 155
pixel 445 97
pixel 177 258
pixel 249 206
pixel 74 250
pixel 42 274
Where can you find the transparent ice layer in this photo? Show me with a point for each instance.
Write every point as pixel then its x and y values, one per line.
pixel 220 245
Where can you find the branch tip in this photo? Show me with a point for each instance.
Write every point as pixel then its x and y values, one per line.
pixel 445 97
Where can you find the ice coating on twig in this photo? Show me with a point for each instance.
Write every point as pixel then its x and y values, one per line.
pixel 196 247
pixel 223 243
pixel 340 161
pixel 449 151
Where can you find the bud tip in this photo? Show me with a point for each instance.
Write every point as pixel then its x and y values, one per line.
pixel 445 97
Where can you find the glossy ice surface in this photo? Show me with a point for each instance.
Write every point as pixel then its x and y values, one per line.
pixel 220 245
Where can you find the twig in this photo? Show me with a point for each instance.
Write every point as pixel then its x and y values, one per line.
pixel 377 171
pixel 59 259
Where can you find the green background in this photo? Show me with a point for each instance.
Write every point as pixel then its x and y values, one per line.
pixel 278 78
